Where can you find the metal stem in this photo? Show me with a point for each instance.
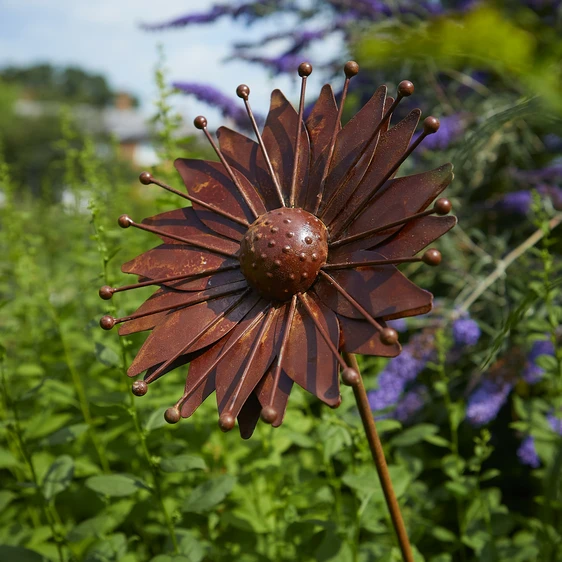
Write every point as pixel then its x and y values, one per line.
pixel 380 461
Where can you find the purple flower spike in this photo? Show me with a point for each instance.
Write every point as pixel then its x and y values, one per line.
pixel 466 331
pixel 411 403
pixel 532 372
pixel 555 423
pixel 229 107
pixel 527 453
pixel 516 202
pixel 485 403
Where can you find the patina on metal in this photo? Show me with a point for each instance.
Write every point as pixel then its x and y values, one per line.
pixel 285 265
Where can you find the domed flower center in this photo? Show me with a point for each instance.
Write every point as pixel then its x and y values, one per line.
pixel 283 251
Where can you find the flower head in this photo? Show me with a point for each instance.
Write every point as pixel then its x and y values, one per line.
pixel 466 331
pixel 532 372
pixel 287 257
pixel 485 403
pixel 527 453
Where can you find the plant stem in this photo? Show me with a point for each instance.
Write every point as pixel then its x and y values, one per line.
pixel 81 395
pixel 17 432
pixel 504 264
pixel 380 461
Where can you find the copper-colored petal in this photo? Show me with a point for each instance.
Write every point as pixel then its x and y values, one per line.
pixel 185 223
pixel 279 135
pixel 388 102
pixel 207 282
pixel 163 343
pixel 232 391
pixel 358 336
pixel 175 259
pixel 310 363
pixel 398 199
pixel 265 389
pixel 249 416
pixel 382 290
pixel 242 155
pixel 203 365
pixel 391 147
pixel 351 140
pixel 166 298
pixel 210 182
pixel 321 123
pixel 415 236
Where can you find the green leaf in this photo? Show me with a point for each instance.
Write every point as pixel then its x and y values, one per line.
pixel 414 435
pixel 105 522
pixel 443 535
pixel 172 558
pixel 7 459
pixel 107 356
pixel 110 549
pixel 6 498
pixel 209 494
pixel 115 485
pixel 66 434
pixel 58 477
pixel 156 420
pixel 182 463
pixel 20 554
pixel 438 441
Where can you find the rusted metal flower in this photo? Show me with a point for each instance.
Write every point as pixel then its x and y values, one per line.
pixel 287 257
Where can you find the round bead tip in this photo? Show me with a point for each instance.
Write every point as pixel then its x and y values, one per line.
pixel 389 336
pixel 145 178
pixel 172 415
pixel 107 322
pixel 350 377
pixel 430 125
pixel 268 414
pixel 106 292
pixel 139 388
pixel 432 257
pixel 200 122
pixel 305 69
pixel 351 69
pixel 442 206
pixel 124 221
pixel 243 91
pixel 226 422
pixel 405 88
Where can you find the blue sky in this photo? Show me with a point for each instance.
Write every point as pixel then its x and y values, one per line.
pixel 104 36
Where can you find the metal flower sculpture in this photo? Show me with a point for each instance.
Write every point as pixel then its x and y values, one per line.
pixel 285 263
pixel 287 256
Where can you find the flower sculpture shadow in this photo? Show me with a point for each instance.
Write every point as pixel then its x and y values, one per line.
pixel 286 260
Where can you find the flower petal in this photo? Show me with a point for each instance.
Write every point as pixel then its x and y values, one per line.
pixel 242 155
pixel 210 182
pixel 163 343
pixel 310 362
pixel 391 147
pixel 382 290
pixel 170 260
pixel 279 138
pixel 265 389
pixel 321 123
pixel 351 141
pixel 237 376
pixel 185 223
pixel 200 380
pixel 397 199
pixel 358 336
pixel 415 236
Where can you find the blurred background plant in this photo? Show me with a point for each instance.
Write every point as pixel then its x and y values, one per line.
pixel 470 413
